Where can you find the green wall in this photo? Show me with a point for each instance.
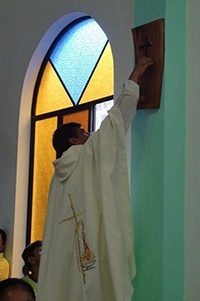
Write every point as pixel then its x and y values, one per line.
pixel 157 171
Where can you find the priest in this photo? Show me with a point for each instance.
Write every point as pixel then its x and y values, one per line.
pixel 87 251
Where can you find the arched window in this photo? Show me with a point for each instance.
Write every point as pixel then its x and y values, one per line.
pixel 75 83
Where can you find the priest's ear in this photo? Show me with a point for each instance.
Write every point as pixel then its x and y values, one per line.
pixel 74 140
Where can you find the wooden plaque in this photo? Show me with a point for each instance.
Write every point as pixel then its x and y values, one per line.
pixel 149 41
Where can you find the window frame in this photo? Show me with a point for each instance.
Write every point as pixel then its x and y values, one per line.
pixel 90 106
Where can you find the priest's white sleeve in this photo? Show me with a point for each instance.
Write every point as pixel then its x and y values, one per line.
pixel 127 102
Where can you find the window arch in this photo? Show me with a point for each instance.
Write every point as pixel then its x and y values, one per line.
pixel 75 79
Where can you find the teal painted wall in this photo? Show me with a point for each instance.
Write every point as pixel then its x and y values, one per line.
pixel 174 151
pixel 192 207
pixel 157 171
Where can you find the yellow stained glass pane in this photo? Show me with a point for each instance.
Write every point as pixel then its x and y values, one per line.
pixel 51 94
pixel 43 169
pixel 81 117
pixel 102 82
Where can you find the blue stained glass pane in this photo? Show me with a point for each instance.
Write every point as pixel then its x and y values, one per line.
pixel 76 54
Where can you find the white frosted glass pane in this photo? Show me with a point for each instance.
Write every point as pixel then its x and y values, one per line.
pixel 101 110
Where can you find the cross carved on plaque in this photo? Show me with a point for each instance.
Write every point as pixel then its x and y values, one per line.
pixel 146 45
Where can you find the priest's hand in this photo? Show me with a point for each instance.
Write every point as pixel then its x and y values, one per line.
pixel 140 68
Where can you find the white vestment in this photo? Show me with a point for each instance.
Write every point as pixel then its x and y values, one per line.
pixel 87 252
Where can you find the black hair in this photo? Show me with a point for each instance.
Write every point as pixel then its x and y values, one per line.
pixel 11 284
pixel 62 135
pixel 28 252
pixel 3 234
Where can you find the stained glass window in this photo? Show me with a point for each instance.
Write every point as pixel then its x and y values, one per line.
pixel 75 78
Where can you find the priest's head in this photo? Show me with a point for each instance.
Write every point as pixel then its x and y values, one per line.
pixel 68 134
